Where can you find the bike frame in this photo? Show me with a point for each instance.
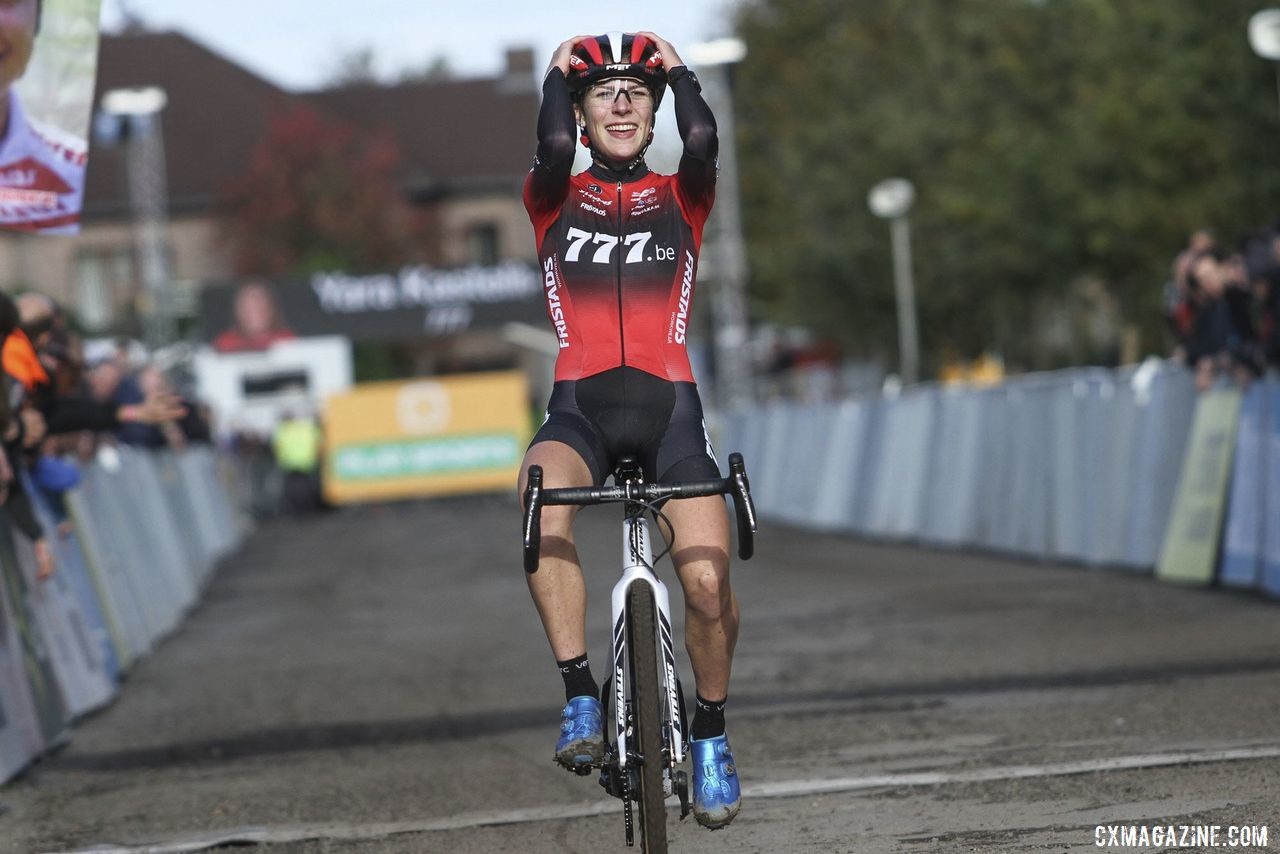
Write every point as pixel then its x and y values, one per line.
pixel 639 497
pixel 637 566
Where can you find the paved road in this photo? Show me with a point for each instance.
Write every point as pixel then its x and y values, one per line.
pixel 376 680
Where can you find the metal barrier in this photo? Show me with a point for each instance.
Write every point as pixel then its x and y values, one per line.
pixel 1080 465
pixel 147 531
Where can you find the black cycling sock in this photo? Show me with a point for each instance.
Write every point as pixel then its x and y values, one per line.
pixel 577 678
pixel 708 718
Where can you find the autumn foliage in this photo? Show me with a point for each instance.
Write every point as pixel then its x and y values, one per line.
pixel 319 194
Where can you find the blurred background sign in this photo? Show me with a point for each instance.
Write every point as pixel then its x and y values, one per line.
pixel 440 436
pixel 411 303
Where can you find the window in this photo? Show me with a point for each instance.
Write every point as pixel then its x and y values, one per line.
pixel 103 277
pixel 482 240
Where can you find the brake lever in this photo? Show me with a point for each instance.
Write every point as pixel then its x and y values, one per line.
pixel 532 519
pixel 743 506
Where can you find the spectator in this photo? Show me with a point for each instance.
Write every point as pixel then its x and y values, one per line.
pixel 1222 339
pixel 1261 253
pixel 1179 298
pixel 64 413
pixel 258 321
pixel 20 429
pixel 297 446
pixel 149 383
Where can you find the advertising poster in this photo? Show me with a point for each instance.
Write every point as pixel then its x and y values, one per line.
pixel 1190 551
pixel 436 436
pixel 47 74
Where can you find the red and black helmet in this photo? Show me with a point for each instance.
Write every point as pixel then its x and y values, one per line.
pixel 617 55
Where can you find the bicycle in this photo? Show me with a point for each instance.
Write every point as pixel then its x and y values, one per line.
pixel 650 736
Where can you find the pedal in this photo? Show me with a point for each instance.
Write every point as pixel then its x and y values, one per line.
pixel 680 782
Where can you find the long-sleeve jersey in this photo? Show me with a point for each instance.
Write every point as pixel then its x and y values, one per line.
pixel 619 250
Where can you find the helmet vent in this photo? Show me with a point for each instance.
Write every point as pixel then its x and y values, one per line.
pixel 615 45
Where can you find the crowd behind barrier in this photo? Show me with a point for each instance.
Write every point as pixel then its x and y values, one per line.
pixel 1222 305
pixel 1082 465
pixel 113 511
pixel 147 529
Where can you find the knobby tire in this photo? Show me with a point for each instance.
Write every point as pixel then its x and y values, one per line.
pixel 646 701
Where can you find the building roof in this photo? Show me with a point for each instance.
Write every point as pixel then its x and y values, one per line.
pixel 454 135
pixel 215 115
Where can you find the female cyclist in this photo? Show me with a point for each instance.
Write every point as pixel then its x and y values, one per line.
pixel 618 247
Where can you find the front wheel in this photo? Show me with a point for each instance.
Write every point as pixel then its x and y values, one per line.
pixel 646 701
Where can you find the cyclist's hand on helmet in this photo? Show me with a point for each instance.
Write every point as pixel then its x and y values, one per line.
pixel 560 59
pixel 670 59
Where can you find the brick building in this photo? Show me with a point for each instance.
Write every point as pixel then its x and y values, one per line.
pixel 465 145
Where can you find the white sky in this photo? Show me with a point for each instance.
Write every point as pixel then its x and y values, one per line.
pixel 298 43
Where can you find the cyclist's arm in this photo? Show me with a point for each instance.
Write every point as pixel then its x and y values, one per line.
pixel 697 126
pixel 548 181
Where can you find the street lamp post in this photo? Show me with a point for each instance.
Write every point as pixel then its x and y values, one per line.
pixel 1264 38
pixel 891 199
pixel 134 116
pixel 714 61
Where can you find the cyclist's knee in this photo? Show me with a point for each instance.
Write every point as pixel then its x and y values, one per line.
pixel 707 593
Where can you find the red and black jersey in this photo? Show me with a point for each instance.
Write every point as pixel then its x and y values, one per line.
pixel 619 250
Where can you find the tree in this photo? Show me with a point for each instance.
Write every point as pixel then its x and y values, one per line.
pixel 1051 143
pixel 353 68
pixel 321 195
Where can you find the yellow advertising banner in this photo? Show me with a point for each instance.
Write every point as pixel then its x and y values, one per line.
pixel 437 436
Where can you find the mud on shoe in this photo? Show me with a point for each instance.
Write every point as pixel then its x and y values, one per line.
pixel 581 743
pixel 717 797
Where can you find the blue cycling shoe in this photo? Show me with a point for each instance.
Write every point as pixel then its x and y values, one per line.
pixel 581 743
pixel 717 796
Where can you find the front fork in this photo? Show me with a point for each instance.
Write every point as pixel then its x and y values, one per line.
pixel 637 566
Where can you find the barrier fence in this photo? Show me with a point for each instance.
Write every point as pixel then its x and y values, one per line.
pixel 147 530
pixel 1125 468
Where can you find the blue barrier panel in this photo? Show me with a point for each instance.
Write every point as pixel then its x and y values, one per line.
pixel 195 534
pixel 1030 486
pixel 122 609
pixel 51 711
pixel 1165 395
pixel 901 482
pixel 210 481
pixel 772 456
pixel 1114 497
pixel 155 524
pixel 1067 458
pixel 807 431
pixel 91 638
pixel 20 737
pixel 58 622
pixel 74 654
pixel 726 437
pixel 780 457
pixel 995 529
pixel 951 516
pixel 161 594
pixel 1099 457
pixel 1242 541
pixel 128 523
pixel 1271 532
pixel 838 486
pixel 870 461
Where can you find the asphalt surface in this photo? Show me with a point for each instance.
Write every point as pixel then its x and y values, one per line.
pixel 377 680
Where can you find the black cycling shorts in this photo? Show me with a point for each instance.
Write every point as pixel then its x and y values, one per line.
pixel 625 411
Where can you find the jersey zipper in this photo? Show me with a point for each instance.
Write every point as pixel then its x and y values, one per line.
pixel 622 340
